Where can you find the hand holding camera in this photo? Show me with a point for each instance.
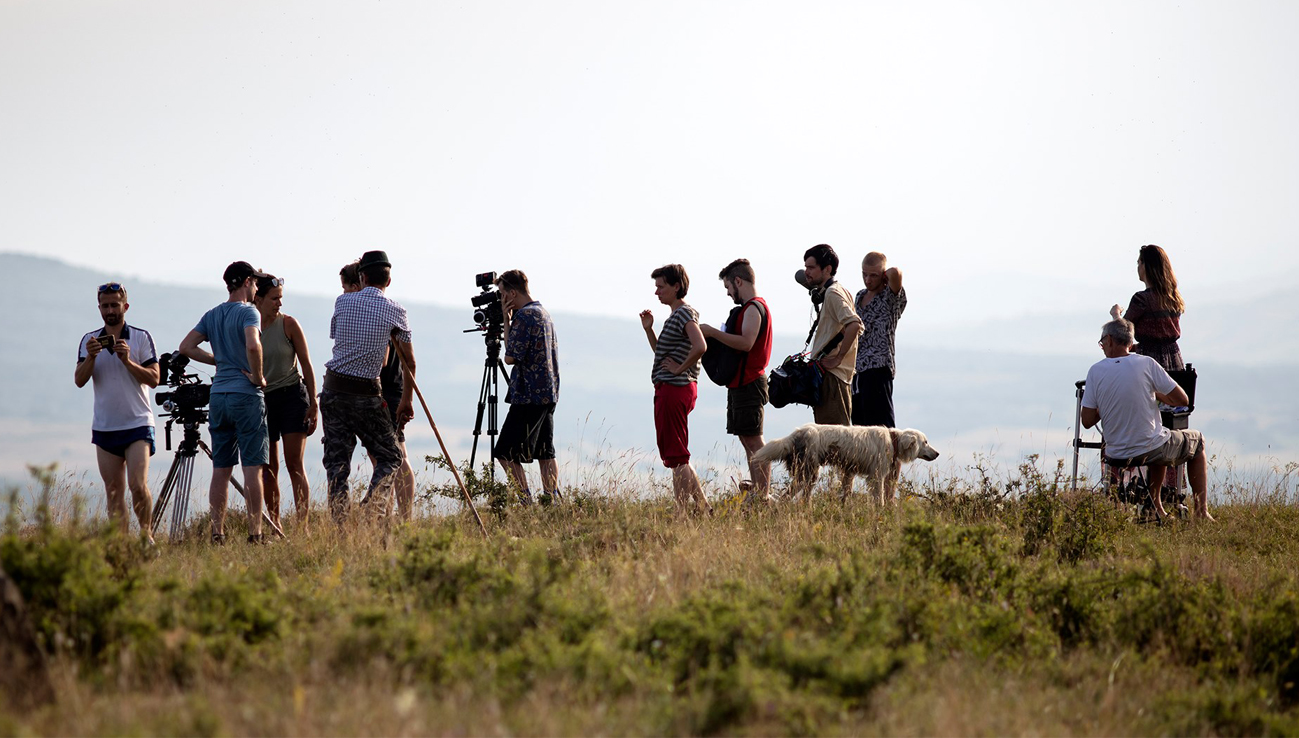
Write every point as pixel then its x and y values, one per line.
pixel 98 344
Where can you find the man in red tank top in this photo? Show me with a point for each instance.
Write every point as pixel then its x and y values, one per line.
pixel 746 395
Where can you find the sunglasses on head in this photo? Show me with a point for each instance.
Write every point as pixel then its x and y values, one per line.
pixel 110 287
pixel 275 282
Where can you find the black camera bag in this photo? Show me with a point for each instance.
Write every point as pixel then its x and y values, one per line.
pixel 722 363
pixel 798 380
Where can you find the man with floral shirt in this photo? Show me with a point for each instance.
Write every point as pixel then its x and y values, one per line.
pixel 879 307
pixel 529 429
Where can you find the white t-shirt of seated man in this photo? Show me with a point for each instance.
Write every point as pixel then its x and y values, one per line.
pixel 1123 391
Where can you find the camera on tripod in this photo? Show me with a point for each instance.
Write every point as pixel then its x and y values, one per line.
pixel 188 398
pixel 489 313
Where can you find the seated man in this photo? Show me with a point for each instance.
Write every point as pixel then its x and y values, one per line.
pixel 1124 390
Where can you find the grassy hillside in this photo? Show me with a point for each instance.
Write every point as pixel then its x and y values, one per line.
pixel 984 607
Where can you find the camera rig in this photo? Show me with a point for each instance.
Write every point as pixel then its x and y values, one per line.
pixel 489 314
pixel 187 401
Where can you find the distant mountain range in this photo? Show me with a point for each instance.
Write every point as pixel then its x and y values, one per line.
pixel 1002 389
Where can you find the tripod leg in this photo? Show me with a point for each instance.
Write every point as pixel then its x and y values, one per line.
pixel 164 495
pixel 180 511
pixel 277 530
pixel 478 420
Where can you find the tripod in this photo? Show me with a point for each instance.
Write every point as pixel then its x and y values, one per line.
pixel 487 399
pixel 181 476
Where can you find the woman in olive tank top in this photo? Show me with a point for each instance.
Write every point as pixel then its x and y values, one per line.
pixel 291 411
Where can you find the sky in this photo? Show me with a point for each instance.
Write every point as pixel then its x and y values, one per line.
pixel 1009 157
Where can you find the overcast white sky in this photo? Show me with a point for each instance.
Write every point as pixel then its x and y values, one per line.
pixel 1008 156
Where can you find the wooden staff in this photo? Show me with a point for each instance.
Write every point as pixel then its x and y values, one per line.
pixel 410 377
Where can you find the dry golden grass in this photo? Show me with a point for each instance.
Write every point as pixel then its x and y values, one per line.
pixel 613 615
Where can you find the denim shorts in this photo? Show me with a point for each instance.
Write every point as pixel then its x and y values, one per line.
pixel 237 422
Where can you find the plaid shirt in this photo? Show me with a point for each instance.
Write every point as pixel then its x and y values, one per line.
pixel 362 324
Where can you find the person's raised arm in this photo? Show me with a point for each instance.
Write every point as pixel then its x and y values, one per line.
pixel 190 347
pixel 253 345
pixel 1136 308
pixel 647 322
pixel 895 279
pixel 299 340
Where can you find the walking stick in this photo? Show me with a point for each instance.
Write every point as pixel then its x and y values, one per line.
pixel 410 377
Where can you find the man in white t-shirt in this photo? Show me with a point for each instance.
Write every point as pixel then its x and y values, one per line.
pixel 122 362
pixel 1122 392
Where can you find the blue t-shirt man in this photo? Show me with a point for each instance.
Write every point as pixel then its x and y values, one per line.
pixel 224 327
pixel 237 412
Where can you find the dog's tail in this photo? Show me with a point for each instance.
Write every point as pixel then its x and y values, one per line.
pixel 781 449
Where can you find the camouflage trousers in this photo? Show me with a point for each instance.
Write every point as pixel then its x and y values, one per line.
pixel 345 419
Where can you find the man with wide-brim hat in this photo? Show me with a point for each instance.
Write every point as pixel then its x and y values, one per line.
pixel 352 407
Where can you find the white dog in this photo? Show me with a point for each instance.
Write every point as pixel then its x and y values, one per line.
pixel 873 451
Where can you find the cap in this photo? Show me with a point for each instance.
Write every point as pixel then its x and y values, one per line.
pixel 374 258
pixel 237 272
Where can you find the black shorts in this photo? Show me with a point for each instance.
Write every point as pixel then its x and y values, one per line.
pixel 745 406
pixel 872 397
pixel 286 411
pixel 392 403
pixel 528 434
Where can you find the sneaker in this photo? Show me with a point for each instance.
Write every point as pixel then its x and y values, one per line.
pixel 548 498
pixel 257 539
pixel 218 539
pixel 525 497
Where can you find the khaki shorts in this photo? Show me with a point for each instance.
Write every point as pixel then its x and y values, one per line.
pixel 1181 447
pixel 836 403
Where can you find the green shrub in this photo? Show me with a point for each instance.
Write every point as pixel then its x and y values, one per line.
pixel 75 582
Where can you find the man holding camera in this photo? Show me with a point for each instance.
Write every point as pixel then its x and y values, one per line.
pixel 529 429
pixel 879 307
pixel 835 335
pixel 352 407
pixel 746 394
pixel 237 413
pixel 122 362
pixel 1124 390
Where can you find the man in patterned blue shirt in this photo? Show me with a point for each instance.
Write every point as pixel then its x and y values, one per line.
pixel 879 307
pixel 529 429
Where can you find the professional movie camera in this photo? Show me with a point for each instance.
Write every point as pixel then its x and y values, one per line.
pixel 489 314
pixel 187 400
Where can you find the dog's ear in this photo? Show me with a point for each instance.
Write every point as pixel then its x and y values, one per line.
pixel 908 444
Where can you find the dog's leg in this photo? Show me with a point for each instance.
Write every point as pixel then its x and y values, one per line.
pixel 892 482
pixel 810 472
pixel 845 485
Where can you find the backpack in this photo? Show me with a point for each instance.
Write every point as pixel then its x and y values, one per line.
pixel 723 363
